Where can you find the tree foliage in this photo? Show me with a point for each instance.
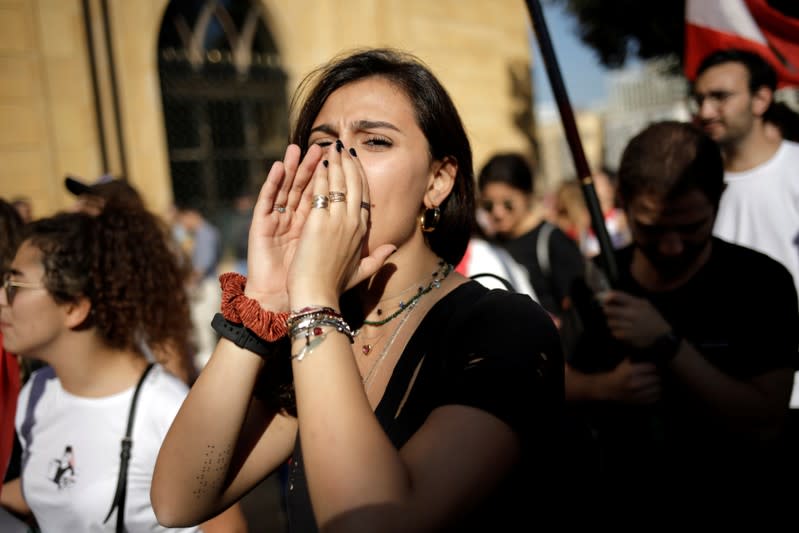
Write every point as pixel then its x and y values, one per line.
pixel 620 29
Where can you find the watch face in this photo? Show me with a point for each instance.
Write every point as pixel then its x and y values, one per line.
pixel 666 347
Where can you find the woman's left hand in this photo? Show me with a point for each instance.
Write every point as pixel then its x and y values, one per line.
pixel 331 255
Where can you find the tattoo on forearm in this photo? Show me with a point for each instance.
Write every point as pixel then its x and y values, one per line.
pixel 212 472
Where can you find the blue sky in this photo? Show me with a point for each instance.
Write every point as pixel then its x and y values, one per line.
pixel 579 66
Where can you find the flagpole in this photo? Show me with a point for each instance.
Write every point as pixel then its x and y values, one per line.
pixel 573 137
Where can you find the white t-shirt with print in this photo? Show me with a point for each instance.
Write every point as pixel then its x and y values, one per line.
pixel 71 449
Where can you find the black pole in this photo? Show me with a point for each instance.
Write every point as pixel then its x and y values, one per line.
pixel 98 107
pixel 115 90
pixel 573 137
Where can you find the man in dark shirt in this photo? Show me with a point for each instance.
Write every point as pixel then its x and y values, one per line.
pixel 681 384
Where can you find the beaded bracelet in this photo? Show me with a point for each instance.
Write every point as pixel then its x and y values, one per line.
pixel 239 309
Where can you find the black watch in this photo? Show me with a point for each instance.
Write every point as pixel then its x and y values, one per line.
pixel 665 348
pixel 241 336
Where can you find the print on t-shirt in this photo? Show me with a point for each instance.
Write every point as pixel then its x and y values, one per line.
pixel 62 471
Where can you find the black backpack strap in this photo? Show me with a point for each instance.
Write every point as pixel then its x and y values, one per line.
pixel 124 456
pixel 508 285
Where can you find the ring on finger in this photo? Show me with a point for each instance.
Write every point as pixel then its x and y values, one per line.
pixel 320 201
pixel 336 196
pixel 366 205
pixel 279 208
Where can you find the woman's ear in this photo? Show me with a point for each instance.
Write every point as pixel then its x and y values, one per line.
pixel 77 312
pixel 442 180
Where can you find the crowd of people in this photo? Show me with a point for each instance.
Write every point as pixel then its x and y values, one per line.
pixel 418 347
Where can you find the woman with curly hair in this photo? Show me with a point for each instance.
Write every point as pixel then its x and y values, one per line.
pixel 84 295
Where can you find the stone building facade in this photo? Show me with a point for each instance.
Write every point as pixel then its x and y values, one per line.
pixel 81 90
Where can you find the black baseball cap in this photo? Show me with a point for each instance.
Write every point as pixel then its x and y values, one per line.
pixel 77 186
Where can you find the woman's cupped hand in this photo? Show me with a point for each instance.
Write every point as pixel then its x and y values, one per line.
pixel 332 253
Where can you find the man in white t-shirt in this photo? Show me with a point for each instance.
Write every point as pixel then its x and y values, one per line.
pixel 732 93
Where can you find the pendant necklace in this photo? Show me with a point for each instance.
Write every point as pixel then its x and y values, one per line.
pixel 367 379
pixel 443 272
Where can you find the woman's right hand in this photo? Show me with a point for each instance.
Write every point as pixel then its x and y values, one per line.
pixel 278 218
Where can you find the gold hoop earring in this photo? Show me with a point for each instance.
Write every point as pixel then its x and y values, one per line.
pixel 429 219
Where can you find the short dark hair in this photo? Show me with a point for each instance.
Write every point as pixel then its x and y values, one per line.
pixel 509 168
pixel 761 73
pixel 669 158
pixel 436 116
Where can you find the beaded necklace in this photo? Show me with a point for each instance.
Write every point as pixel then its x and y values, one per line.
pixel 436 283
pixel 367 380
pixel 366 347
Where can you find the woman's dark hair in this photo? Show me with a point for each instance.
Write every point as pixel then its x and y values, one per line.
pixel 510 169
pixel 670 158
pixel 121 261
pixel 436 116
pixel 11 225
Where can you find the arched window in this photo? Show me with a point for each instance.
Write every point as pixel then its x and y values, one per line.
pixel 224 100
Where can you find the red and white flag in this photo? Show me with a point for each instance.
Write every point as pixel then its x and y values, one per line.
pixel 748 24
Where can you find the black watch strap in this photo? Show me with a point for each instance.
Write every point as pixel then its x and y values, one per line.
pixel 665 347
pixel 240 336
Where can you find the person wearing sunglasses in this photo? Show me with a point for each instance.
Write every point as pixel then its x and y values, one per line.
pixel 517 221
pixel 83 295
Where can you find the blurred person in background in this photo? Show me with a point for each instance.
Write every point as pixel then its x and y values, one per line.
pixel 683 378
pixel 518 223
pixel 11 225
pixel 573 217
pixel 83 294
pixel 24 207
pixel 120 194
pixel 92 197
pixel 781 122
pixel 733 101
pixel 202 243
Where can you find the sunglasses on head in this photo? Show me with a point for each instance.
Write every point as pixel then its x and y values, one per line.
pixel 11 287
pixel 488 205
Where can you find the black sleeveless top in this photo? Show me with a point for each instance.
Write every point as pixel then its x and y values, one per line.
pixel 489 349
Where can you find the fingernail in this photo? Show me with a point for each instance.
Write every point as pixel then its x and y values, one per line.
pixel 339 145
pixel 352 152
pixel 325 163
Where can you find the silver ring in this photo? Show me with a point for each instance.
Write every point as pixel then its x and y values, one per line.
pixel 320 201
pixel 279 208
pixel 366 205
pixel 336 196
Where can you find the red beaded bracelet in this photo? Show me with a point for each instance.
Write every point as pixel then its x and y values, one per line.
pixel 237 308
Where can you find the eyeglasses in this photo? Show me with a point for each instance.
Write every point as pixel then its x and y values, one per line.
pixel 11 287
pixel 714 98
pixel 488 205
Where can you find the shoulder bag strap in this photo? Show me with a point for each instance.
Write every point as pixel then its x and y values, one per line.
pixel 124 455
